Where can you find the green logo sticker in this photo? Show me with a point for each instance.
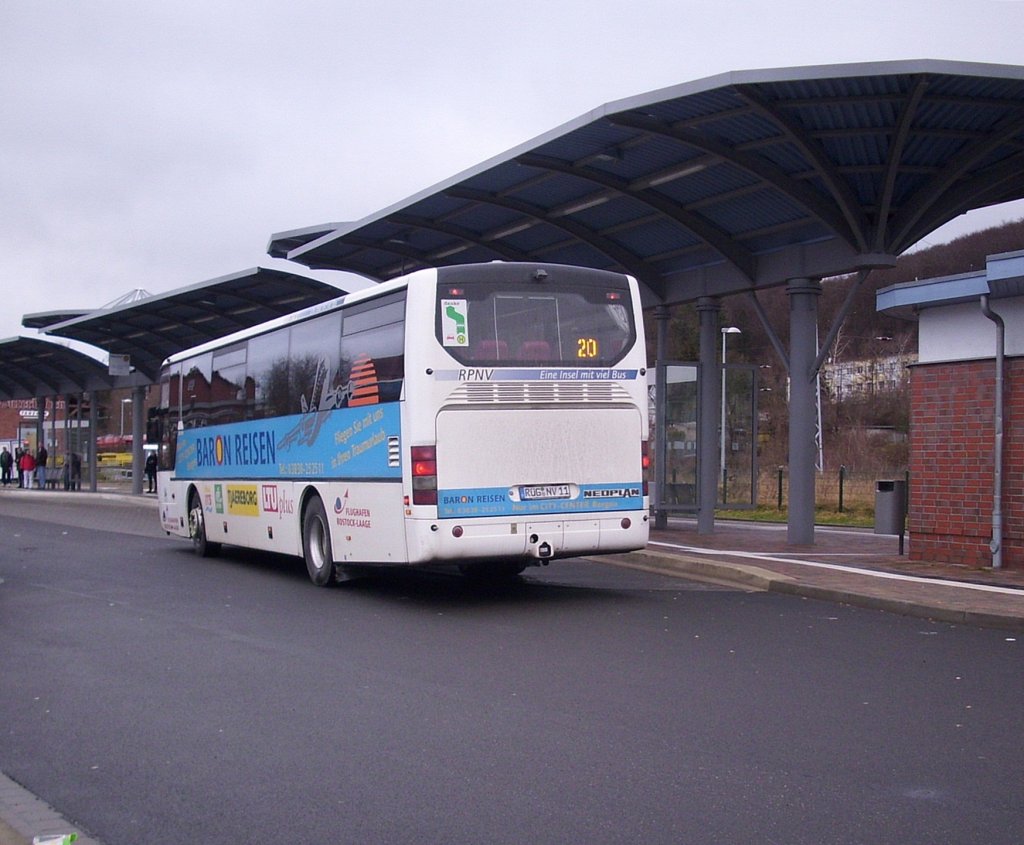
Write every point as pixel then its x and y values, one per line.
pixel 453 322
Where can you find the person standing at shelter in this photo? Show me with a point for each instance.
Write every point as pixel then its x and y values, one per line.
pixel 41 456
pixel 151 471
pixel 5 467
pixel 76 471
pixel 26 466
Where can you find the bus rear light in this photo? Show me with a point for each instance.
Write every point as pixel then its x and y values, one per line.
pixel 424 461
pixel 645 462
pixel 626 522
pixel 457 531
pixel 424 475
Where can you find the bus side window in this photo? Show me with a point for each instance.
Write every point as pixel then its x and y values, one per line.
pixel 373 351
pixel 197 399
pixel 168 447
pixel 313 362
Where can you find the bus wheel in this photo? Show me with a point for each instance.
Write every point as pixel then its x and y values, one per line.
pixel 197 529
pixel 316 544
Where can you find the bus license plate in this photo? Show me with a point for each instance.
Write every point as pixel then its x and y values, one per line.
pixel 544 491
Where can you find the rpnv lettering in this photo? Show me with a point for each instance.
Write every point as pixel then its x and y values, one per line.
pixel 475 374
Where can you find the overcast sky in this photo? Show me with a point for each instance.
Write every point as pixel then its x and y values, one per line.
pixel 157 145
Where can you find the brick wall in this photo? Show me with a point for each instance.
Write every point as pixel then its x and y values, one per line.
pixel 952 423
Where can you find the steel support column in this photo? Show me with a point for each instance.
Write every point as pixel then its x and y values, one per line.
pixel 91 454
pixel 40 422
pixel 803 349
pixel 708 398
pixel 662 315
pixel 138 438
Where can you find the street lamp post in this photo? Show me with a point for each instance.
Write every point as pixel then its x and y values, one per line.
pixel 727 330
pixel 123 403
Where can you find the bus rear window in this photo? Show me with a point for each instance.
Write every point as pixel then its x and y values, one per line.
pixel 577 325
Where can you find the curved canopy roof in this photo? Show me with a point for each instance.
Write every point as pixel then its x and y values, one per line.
pixel 152 329
pixel 33 367
pixel 718 186
pixel 45 319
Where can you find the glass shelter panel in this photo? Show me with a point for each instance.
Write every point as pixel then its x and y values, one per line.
pixel 680 458
pixel 681 437
pixel 737 485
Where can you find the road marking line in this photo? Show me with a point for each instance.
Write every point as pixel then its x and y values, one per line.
pixel 893 576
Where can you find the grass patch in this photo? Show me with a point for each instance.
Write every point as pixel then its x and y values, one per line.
pixel 855 516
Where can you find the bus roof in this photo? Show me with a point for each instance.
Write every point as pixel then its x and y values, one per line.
pixel 296 317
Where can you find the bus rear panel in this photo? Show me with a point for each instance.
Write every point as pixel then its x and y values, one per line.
pixel 536 390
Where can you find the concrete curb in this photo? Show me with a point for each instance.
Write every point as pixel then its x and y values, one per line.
pixel 23 816
pixel 718 572
pixel 85 496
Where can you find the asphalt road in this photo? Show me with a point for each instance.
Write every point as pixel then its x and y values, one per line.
pixel 153 697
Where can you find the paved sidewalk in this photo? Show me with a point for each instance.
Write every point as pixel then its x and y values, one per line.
pixel 853 566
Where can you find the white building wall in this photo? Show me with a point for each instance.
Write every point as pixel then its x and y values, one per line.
pixel 962 333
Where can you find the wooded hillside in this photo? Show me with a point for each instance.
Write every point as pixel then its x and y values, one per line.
pixel 864 329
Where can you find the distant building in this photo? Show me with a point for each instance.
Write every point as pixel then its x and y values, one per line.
pixel 953 480
pixel 866 377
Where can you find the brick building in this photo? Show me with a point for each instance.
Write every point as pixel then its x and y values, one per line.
pixel 19 422
pixel 954 486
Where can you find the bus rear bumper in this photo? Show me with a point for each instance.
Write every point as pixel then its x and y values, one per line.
pixel 535 540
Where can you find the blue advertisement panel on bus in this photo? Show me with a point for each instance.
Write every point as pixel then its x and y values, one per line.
pixel 341 443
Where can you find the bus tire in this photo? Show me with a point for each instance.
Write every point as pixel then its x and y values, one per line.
pixel 316 544
pixel 197 528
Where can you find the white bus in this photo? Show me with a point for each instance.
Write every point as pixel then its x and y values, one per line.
pixel 490 416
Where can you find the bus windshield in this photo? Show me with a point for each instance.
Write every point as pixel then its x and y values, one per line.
pixel 547 324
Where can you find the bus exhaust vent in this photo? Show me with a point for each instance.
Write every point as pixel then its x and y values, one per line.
pixel 533 392
pixel 394 452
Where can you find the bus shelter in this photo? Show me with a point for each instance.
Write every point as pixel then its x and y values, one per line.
pixel 722 187
pixel 135 338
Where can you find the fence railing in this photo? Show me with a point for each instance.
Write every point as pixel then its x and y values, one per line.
pixel 838 490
